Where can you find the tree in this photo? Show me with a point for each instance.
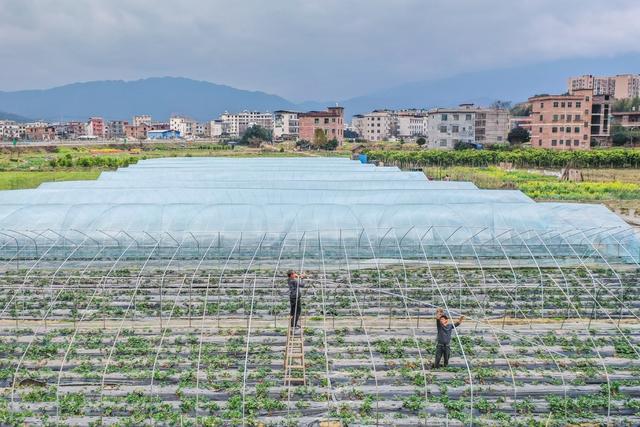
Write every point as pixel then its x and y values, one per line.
pixel 349 134
pixel 628 104
pixel 619 138
pixel 518 135
pixel 421 141
pixel 255 136
pixel 319 138
pixel 331 145
pixel 501 105
pixel 522 109
pixel 462 145
pixel 303 144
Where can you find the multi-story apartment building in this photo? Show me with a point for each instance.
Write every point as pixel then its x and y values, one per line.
pixel 203 130
pixel 627 86
pixel 285 125
pixel 235 125
pixel 95 127
pixel 627 119
pixel 492 125
pixel 330 121
pixel 358 124
pixel 216 128
pixel 599 85
pixel 184 125
pixel 380 125
pixel 562 122
pixel 448 126
pixel 137 132
pixel 40 133
pixel 620 86
pixel 116 129
pixel 9 130
pixel 412 123
pixel 71 130
pixel 143 118
pixel 601 109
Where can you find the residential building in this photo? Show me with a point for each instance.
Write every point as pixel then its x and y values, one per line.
pixel 202 130
pixel 601 108
pixel 40 133
pixel 380 125
pixel 25 132
pixel 599 85
pixel 70 130
pixel 448 126
pixel 9 130
pixel 627 86
pixel 184 125
pixel 411 123
pixel 138 120
pixel 562 122
pixel 620 86
pixel 285 125
pixel 492 125
pixel 330 121
pixel 216 128
pixel 137 132
pixel 235 125
pixel 627 119
pixel 358 124
pixel 116 129
pixel 95 127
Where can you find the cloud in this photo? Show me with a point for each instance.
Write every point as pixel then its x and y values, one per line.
pixel 320 49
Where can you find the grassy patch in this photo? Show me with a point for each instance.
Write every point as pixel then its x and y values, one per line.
pixel 15 180
pixel 539 186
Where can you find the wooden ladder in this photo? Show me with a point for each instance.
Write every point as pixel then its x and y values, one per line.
pixel 294 365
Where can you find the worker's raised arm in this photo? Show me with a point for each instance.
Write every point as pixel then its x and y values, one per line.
pixel 439 313
pixel 460 319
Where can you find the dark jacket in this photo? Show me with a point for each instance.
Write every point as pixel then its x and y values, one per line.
pixel 295 288
pixel 444 332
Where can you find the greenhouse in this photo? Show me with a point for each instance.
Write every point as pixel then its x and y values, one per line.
pixel 157 295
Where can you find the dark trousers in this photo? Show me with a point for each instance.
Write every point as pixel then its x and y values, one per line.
pixel 296 308
pixel 442 351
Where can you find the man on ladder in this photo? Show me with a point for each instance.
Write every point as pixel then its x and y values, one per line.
pixel 295 296
pixel 294 364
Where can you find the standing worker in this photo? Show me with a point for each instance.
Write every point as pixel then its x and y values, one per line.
pixel 295 296
pixel 443 345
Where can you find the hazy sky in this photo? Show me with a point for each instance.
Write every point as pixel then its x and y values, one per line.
pixel 301 49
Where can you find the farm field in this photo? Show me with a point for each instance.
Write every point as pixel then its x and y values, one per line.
pixel 616 188
pixel 157 295
pixel 137 345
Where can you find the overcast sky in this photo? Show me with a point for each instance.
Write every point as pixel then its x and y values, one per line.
pixel 301 49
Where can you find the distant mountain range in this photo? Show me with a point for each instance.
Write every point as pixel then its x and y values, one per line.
pixel 13 117
pixel 160 97
pixel 164 96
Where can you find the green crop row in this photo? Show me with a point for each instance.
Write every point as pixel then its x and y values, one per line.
pixel 528 157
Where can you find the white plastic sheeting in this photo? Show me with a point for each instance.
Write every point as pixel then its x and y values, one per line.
pixel 280 195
